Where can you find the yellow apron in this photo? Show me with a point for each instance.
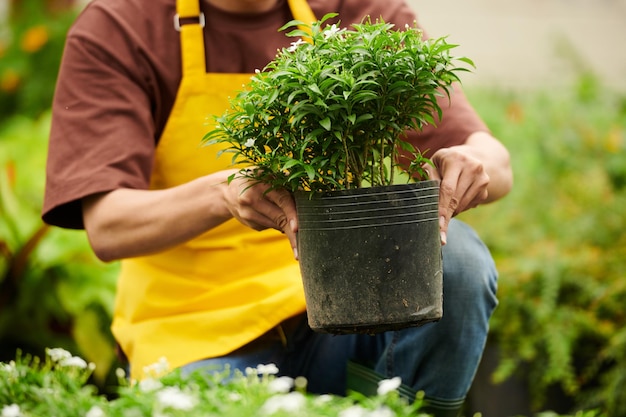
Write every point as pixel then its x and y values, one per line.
pixel 225 288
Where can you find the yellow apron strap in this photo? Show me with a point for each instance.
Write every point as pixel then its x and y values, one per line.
pixel 192 52
pixel 301 11
pixel 188 8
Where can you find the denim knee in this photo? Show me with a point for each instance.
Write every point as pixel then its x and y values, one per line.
pixel 470 275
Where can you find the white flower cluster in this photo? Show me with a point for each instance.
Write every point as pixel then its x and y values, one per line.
pixel 358 411
pixel 387 385
pixel 64 358
pixel 269 369
pixel 175 398
pixel 157 369
pixel 292 402
pixel 12 410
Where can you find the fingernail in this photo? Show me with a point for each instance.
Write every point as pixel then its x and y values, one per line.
pixel 295 253
pixel 443 238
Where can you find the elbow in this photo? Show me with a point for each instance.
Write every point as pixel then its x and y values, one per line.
pixel 502 179
pixel 103 251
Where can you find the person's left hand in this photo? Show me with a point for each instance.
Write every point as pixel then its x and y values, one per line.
pixel 463 182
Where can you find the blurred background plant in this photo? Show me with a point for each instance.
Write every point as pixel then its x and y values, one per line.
pixel 559 244
pixel 53 291
pixel 31 42
pixel 558 238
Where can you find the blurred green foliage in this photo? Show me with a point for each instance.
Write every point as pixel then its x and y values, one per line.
pixel 53 291
pixel 30 52
pixel 559 241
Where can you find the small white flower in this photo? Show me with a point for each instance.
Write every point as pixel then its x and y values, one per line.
pixel 58 354
pixel 354 411
pixel 12 410
pixel 234 397
pixel 387 385
pixel 95 411
pixel 301 382
pixel 382 412
pixel 323 399
pixel 74 362
pixel 149 385
pixel 249 143
pixel 294 45
pixel 331 31
pixel 120 373
pixel 173 397
pixel 281 385
pixel 8 367
pixel 291 403
pixel 269 369
pixel 158 368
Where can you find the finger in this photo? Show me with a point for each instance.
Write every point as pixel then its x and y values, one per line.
pixel 471 189
pixel 287 219
pixel 272 209
pixel 284 201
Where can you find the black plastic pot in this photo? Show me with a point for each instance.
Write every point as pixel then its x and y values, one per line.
pixel 370 258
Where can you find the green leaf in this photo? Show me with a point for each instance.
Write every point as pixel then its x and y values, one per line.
pixel 325 123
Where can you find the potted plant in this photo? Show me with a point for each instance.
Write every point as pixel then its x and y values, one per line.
pixel 326 120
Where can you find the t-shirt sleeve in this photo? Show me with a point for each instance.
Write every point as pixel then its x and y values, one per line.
pixel 102 131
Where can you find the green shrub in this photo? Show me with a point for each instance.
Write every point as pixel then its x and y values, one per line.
pixel 559 243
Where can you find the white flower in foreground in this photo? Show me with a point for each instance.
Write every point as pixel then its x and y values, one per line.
pixel 294 45
pixel 120 373
pixel 8 367
pixel 95 411
pixel 173 397
pixel 354 411
pixel 12 410
pixel 157 369
pixel 58 354
pixel 382 412
pixel 249 143
pixel 387 385
pixel 301 382
pixel 149 385
pixel 281 385
pixel 323 399
pixel 234 397
pixel 269 369
pixel 74 362
pixel 291 403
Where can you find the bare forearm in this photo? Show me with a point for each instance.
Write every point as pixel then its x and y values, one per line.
pixel 496 161
pixel 125 223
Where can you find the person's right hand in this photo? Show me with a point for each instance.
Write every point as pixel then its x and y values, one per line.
pixel 253 205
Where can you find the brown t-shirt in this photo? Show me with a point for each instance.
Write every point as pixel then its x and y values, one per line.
pixel 120 73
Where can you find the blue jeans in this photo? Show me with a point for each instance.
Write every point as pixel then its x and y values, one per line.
pixel 438 358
